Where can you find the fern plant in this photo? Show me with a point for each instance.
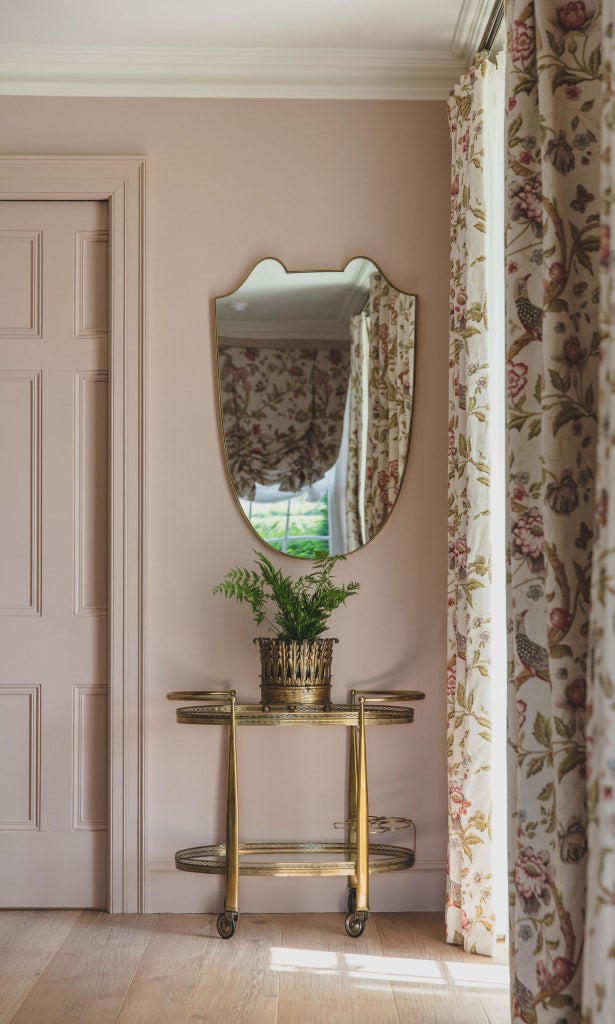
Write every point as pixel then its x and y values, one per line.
pixel 294 609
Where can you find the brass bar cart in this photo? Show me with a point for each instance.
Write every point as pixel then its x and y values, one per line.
pixel 360 858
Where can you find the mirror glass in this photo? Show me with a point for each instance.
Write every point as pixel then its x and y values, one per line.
pixel 316 379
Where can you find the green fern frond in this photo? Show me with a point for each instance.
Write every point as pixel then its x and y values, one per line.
pixel 295 609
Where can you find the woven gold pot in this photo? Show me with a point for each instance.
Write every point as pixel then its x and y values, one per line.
pixel 295 671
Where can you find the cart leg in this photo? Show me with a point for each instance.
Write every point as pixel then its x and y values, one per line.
pixel 351 815
pixel 227 921
pixel 355 921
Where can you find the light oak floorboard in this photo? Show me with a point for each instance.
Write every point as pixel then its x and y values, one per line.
pixel 357 1010
pixel 497 1008
pixel 320 965
pixel 163 988
pixel 89 976
pixel 72 967
pixel 439 983
pixel 28 941
pixel 237 983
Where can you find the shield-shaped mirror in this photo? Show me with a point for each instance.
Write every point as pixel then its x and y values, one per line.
pixel 316 386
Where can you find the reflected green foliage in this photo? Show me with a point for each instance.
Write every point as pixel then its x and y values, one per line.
pixel 307 548
pixel 306 520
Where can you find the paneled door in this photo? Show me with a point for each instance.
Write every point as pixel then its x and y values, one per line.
pixel 54 298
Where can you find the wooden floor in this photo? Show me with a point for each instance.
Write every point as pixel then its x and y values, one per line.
pixel 84 967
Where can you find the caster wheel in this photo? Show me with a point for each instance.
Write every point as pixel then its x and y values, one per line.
pixel 354 925
pixel 226 925
pixel 352 900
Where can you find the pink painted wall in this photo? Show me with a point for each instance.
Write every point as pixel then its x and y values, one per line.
pixel 313 183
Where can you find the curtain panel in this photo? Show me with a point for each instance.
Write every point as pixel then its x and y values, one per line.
pixel 357 431
pixel 599 950
pixel 553 342
pixel 282 414
pixel 380 407
pixel 470 903
pixel 390 384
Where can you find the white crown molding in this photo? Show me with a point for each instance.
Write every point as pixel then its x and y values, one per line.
pixel 159 71
pixel 471 23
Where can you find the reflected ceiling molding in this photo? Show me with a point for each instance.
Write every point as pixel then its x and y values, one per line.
pixel 289 330
pixel 260 73
pixel 333 325
pixel 473 18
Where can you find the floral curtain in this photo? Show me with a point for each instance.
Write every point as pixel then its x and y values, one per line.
pixel 470 913
pixel 553 344
pixel 282 414
pixel 380 408
pixel 599 950
pixel 357 432
pixel 390 388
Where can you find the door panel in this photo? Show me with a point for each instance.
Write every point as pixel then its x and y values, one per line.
pixel 20 473
pixel 53 553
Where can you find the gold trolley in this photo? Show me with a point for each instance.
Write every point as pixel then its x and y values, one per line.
pixel 360 858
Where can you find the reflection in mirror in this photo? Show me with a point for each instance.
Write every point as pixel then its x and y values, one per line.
pixel 316 379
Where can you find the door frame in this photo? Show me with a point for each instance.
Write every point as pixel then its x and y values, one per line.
pixel 120 180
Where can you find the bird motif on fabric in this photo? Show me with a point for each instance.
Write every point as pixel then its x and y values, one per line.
pixel 529 314
pixel 533 657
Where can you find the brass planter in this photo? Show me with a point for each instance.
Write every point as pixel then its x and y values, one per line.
pixel 295 671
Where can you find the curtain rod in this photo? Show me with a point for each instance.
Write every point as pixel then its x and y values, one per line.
pixel 493 26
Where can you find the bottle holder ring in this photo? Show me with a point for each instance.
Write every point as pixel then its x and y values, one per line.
pixel 380 825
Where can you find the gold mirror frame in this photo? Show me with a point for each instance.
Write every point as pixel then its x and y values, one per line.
pixel 289 274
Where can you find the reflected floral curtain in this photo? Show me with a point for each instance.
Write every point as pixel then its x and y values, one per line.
pixel 553 346
pixel 282 414
pixel 357 432
pixel 599 952
pixel 470 912
pixel 390 386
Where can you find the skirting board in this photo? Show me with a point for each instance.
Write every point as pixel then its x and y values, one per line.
pixel 171 891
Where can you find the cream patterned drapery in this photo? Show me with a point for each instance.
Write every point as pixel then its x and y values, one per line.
pixel 599 950
pixel 380 407
pixel 282 413
pixel 553 101
pixel 390 387
pixel 475 119
pixel 357 431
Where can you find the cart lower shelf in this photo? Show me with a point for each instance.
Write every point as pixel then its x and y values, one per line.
pixel 212 859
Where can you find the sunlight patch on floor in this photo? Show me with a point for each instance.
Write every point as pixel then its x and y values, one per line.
pixel 304 959
pixel 482 975
pixel 427 974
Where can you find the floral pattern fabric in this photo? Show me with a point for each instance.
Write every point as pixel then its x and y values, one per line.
pixel 390 386
pixel 553 98
pixel 355 475
pixel 380 408
pixel 282 414
pixel 470 913
pixel 599 951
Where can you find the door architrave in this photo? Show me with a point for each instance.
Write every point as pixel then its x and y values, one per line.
pixel 120 180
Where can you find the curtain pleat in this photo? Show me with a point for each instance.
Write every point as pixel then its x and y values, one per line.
pixel 357 433
pixel 553 343
pixel 599 948
pixel 470 909
pixel 390 381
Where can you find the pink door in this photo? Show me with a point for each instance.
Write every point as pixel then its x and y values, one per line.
pixel 53 553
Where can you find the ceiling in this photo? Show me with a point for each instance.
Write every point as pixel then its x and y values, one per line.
pixel 388 24
pixel 275 303
pixel 320 48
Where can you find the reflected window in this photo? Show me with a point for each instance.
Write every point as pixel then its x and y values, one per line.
pixel 296 526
